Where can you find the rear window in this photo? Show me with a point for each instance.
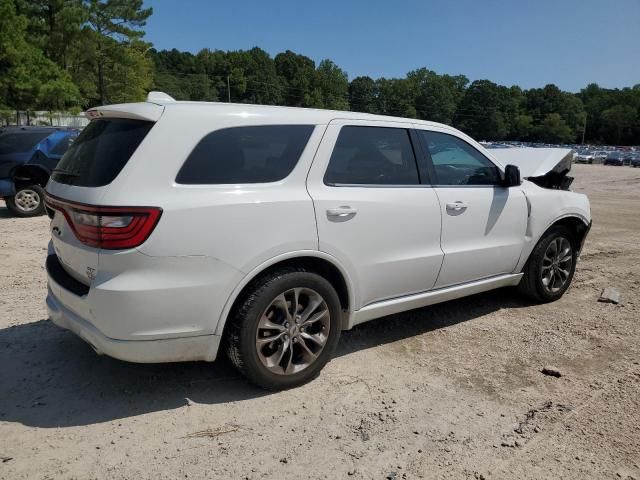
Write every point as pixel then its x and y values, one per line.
pixel 63 145
pixel 100 152
pixel 256 154
pixel 20 142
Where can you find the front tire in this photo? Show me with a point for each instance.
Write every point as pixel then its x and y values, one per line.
pixel 551 266
pixel 284 329
pixel 27 202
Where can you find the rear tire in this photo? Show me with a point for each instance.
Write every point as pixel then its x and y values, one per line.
pixel 27 202
pixel 551 266
pixel 304 336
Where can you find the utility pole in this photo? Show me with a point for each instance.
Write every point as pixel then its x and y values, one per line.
pixel 584 128
pixel 228 91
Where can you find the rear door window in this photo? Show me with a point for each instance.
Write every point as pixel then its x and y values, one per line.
pixel 20 142
pixel 255 154
pixel 372 156
pixel 100 152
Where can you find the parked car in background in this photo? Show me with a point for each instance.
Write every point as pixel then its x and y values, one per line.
pixel 584 156
pixel 28 155
pixel 600 156
pixel 627 155
pixel 182 228
pixel 635 160
pixel 614 158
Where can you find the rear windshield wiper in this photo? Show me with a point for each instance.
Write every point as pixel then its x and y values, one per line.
pixel 69 173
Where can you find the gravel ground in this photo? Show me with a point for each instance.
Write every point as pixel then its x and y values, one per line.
pixel 450 391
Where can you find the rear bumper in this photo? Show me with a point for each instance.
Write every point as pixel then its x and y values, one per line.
pixel 203 347
pixel 72 308
pixel 7 188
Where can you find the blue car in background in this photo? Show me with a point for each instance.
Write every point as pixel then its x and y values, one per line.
pixel 28 155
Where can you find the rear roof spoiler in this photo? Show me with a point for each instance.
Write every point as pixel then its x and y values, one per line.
pixel 137 111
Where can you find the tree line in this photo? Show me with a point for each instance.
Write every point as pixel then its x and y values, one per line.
pixel 75 54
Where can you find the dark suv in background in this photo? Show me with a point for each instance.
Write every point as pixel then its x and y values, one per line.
pixel 28 155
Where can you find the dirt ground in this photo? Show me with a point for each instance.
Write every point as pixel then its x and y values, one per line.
pixel 450 391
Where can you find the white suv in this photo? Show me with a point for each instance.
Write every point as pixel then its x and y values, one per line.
pixel 181 227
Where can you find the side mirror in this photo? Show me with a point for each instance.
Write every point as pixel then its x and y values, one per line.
pixel 511 176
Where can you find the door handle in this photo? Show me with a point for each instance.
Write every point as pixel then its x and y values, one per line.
pixel 457 206
pixel 344 212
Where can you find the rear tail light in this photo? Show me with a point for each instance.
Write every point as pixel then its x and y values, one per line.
pixel 111 228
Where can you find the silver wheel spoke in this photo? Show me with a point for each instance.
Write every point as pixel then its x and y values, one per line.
pixel 264 340
pixel 281 301
pixel 296 302
pixel 315 317
pixel 566 256
pixel 319 341
pixel 314 303
pixel 268 325
pixel 289 367
pixel 280 353
pixel 307 352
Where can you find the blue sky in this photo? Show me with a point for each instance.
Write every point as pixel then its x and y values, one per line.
pixel 512 42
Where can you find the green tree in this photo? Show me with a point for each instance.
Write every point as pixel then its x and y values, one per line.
pixel 436 96
pixel 115 26
pixel 55 26
pixel 27 78
pixel 395 96
pixel 362 95
pixel 486 110
pixel 541 102
pixel 331 87
pixel 296 73
pixel 554 129
pixel 522 127
pixel 618 123
pixel 263 84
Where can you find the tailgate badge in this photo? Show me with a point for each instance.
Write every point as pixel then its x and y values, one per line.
pixel 57 231
pixel 91 273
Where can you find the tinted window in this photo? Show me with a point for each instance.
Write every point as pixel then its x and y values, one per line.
pixel 100 152
pixel 62 146
pixel 20 142
pixel 372 156
pixel 257 154
pixel 458 163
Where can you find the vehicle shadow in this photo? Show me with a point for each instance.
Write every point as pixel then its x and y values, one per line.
pixel 4 212
pixel 50 378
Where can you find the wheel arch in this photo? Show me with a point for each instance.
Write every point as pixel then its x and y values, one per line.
pixel 31 173
pixel 315 261
pixel 578 225
pixel 574 222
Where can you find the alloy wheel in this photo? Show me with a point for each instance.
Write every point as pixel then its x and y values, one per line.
pixel 556 264
pixel 293 331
